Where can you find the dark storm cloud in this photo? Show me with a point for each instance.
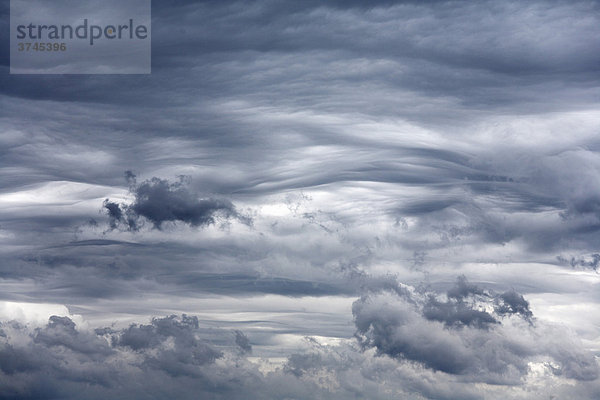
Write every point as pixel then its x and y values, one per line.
pixel 512 302
pixel 115 214
pixel 463 307
pixel 483 346
pixel 457 314
pixel 159 201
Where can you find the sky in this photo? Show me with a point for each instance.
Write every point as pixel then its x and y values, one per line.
pixel 310 200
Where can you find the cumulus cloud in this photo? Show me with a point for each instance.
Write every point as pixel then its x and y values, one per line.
pixel 478 339
pixel 469 305
pixel 59 359
pixel 170 356
pixel 160 201
pixel 511 302
pixel 456 314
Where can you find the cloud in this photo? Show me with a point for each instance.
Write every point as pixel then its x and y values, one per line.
pixel 159 201
pixel 457 314
pixel 60 359
pixel 463 289
pixel 114 211
pixel 511 302
pixel 243 342
pixel 371 143
pixel 61 332
pixel 170 355
pixel 591 261
pixel 177 359
pixel 474 340
pixel 464 306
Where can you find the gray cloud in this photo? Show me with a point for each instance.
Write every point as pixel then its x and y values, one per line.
pixel 462 339
pixel 457 314
pixel 50 369
pixel 368 144
pixel 463 289
pixel 243 342
pixel 61 332
pixel 39 363
pixel 592 261
pixel 187 351
pixel 60 359
pixel 114 213
pixel 512 302
pixel 462 308
pixel 159 201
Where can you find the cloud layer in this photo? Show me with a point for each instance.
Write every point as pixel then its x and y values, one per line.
pixel 416 356
pixel 295 161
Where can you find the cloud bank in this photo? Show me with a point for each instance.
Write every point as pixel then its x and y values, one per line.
pixel 416 355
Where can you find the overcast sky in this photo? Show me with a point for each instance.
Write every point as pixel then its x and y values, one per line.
pixel 310 200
